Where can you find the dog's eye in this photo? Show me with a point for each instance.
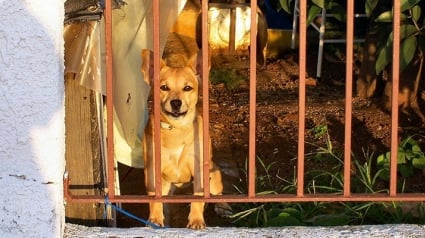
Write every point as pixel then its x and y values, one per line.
pixel 187 88
pixel 164 88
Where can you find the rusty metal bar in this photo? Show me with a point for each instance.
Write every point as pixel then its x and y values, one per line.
pixel 394 98
pixel 382 197
pixel 301 96
pixel 252 99
pixel 109 100
pixel 348 97
pixel 205 96
pixel 156 101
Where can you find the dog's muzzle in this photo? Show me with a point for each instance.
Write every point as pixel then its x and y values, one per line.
pixel 175 108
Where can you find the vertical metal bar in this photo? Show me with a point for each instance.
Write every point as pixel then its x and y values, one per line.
pixel 294 23
pixel 322 30
pixel 301 96
pixel 156 105
pixel 252 99
pixel 205 96
pixel 109 99
pixel 394 103
pixel 348 96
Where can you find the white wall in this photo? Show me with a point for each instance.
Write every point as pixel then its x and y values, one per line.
pixel 31 118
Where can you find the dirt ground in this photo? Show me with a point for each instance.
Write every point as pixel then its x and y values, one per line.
pixel 277 125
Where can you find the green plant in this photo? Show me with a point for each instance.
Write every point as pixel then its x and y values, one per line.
pixel 412 29
pixel 378 54
pixel 326 213
pixel 265 182
pixel 365 179
pixel 412 33
pixel 313 214
pixel 315 7
pixel 410 157
pixel 230 78
pixel 261 215
pixel 325 152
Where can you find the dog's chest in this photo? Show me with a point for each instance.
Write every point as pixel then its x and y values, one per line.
pixel 177 166
pixel 178 155
pixel 176 140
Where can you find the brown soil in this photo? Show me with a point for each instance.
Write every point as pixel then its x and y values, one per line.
pixel 277 126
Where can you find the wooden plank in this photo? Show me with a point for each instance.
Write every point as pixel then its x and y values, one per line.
pixel 83 152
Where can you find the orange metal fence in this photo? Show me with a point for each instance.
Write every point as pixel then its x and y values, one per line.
pixel 251 196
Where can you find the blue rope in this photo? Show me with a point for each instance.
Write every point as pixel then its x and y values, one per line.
pixel 118 209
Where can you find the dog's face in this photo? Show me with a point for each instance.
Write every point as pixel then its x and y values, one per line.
pixel 178 88
pixel 178 93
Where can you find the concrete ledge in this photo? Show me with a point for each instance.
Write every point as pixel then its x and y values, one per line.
pixel 403 230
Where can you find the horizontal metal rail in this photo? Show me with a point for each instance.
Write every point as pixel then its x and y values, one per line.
pixel 358 197
pixel 299 195
pixel 415 197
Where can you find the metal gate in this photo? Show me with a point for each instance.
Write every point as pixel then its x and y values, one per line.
pixel 252 196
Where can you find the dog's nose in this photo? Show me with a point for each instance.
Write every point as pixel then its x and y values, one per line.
pixel 176 104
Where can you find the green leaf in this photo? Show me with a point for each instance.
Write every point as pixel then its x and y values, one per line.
pixel 273 212
pixel 293 212
pixel 406 170
pixel 416 149
pixel 407 48
pixel 286 5
pixel 339 12
pixel 285 218
pixel 370 6
pixel 388 17
pixel 401 157
pixel 383 161
pixel 406 30
pixel 408 4
pixel 409 155
pixel 419 163
pixel 407 51
pixel 416 13
pixel 384 174
pixel 319 3
pixel 312 13
pixel 384 58
pixel 385 17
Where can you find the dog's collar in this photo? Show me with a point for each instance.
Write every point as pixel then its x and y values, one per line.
pixel 165 125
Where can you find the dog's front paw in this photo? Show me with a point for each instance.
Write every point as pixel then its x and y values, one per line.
pixel 196 224
pixel 157 221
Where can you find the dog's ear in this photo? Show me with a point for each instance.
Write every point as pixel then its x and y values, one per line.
pixel 147 65
pixel 195 62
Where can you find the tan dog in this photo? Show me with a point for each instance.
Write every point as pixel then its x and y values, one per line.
pixel 181 140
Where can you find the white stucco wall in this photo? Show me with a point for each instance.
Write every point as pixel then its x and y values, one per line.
pixel 31 118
